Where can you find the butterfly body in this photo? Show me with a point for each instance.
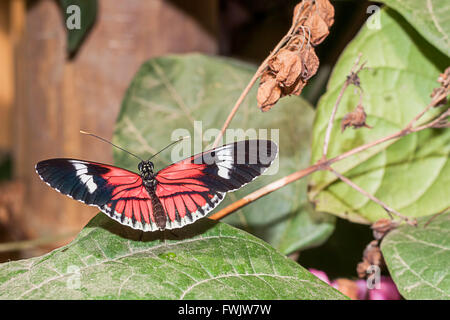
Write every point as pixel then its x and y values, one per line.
pixel 170 198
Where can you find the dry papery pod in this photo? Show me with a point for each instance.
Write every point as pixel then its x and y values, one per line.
pixel 289 69
pixel 355 119
pixel 287 66
pixel 382 226
pixel 323 8
pixel 317 28
pixel 268 92
pixel 372 254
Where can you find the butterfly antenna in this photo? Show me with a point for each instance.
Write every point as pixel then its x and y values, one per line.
pixel 171 144
pixel 95 136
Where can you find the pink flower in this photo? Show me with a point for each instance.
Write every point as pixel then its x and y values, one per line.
pixel 359 289
pixel 387 290
pixel 320 274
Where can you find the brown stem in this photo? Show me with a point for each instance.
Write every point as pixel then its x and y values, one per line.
pixel 265 190
pixel 434 122
pixel 435 216
pixel 432 104
pixel 336 105
pixel 238 103
pixel 388 209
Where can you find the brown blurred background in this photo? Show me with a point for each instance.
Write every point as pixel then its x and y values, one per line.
pixel 46 97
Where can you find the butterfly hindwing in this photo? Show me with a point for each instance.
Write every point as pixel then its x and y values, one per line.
pixel 192 187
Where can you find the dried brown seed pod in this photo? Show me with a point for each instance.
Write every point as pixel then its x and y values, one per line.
pixel 355 119
pixel 287 65
pixel 317 28
pixel 289 69
pixel 310 63
pixel 382 227
pixel 326 11
pixel 268 92
pixel 372 254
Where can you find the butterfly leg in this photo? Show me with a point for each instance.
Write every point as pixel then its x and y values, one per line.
pixel 163 237
pixel 142 236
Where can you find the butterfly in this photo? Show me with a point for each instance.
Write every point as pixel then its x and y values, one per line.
pixel 171 198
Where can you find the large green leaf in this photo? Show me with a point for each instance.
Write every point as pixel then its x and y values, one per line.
pixel 410 175
pixel 418 258
pixel 208 260
pixel 431 18
pixel 191 94
pixel 78 27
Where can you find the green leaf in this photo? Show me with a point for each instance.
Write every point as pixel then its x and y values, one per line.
pixel 208 260
pixel 418 258
pixel 430 18
pixel 410 175
pixel 181 95
pixel 78 27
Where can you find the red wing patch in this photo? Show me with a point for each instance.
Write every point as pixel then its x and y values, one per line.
pixel 117 192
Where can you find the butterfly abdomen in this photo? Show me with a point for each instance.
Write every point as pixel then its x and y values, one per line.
pixel 158 211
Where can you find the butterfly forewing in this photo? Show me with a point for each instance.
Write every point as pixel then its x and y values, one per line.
pixel 192 187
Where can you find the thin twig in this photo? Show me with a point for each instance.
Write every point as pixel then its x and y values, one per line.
pixel 238 104
pixel 435 216
pixel 432 104
pixel 347 83
pixel 265 190
pixel 389 210
pixel 433 123
pixel 255 77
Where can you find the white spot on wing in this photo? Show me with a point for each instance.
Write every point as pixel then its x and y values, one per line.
pixel 225 163
pixel 87 179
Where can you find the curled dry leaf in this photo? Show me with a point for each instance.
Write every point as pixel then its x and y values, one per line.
pixel 318 29
pixel 269 92
pixel 289 69
pixel 326 11
pixel 372 254
pixel 311 63
pixel 323 8
pixel 287 65
pixel 382 227
pixel 355 119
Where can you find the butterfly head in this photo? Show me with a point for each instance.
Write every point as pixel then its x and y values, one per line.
pixel 146 169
